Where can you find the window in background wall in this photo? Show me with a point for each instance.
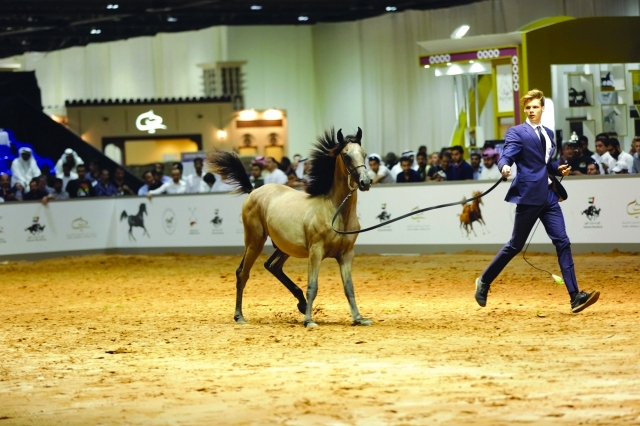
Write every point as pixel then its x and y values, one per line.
pixel 152 151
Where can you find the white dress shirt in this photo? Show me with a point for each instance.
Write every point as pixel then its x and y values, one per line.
pixel 547 141
pixel 193 183
pixel 170 188
pixel 276 176
pixel 492 173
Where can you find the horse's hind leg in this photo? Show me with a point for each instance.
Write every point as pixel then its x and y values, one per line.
pixel 131 233
pixel 274 265
pixel 251 253
pixel 345 262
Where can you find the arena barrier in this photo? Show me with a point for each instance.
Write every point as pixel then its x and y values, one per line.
pixel 601 214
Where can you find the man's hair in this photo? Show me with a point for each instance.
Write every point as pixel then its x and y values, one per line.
pixel 421 154
pixel 457 148
pixel 209 178
pixel 258 165
pixel 145 173
pixel 156 172
pixel 475 155
pixel 531 95
pixel 81 165
pixel 34 180
pixel 57 180
pixel 602 137
pixel 178 166
pixel 404 158
pixel 274 160
pixel 636 139
pixel 612 142
pixel 446 155
pixel 198 160
pixel 568 143
pixel 584 139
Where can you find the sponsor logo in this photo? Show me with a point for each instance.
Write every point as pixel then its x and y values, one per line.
pixel 193 221
pixel 169 222
pixel 136 221
pixel 35 230
pixel 217 222
pixel 80 224
pixel 417 222
pixel 592 213
pixel 149 122
pixel 81 229
pixel 383 217
pixel 633 210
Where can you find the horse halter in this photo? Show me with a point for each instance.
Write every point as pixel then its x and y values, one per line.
pixel 349 171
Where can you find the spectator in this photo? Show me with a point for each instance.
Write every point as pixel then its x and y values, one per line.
pixel 275 175
pixel 601 151
pixel 620 168
pixel 195 179
pixel 157 179
pixel 104 187
pixel 593 169
pixel 35 193
pixel 45 170
pixel 262 161
pixel 147 177
pixel 475 165
pixel 295 162
pixel 7 192
pixel 175 186
pixel 81 187
pixel 390 160
pixel 58 192
pixel 460 169
pixel 24 169
pixel 397 169
pixel 423 149
pixel 179 166
pixel 42 185
pixel 443 170
pixel 378 172
pixel 67 175
pixel 636 155
pixel 617 155
pixel 285 165
pixel 70 157
pixel 159 167
pixel 122 187
pixel 293 181
pixel 206 185
pixel 94 171
pixel 423 166
pixel 490 170
pixel 584 143
pixel 256 175
pixel 407 174
pixel 579 161
pixel 434 159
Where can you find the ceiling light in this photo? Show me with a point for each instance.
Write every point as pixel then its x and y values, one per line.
pixel 460 31
pixel 112 6
pixel 391 8
pixel 172 19
pixel 303 18
pixel 427 66
pixel 471 61
pixel 248 114
pixel 96 31
pixel 272 114
pixel 448 64
pixel 455 70
pixel 256 7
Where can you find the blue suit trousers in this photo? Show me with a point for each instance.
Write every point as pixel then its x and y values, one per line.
pixel 551 217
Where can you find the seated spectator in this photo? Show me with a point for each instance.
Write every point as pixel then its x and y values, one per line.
pixel 7 192
pixel 460 169
pixel 285 165
pixel 70 157
pixel 81 187
pixel 45 170
pixel 423 166
pixel 293 181
pixel 620 168
pixel 434 159
pixel 390 160
pixel 147 177
pixel 67 174
pixel 295 162
pixel 407 174
pixel 475 165
pixel 104 187
pixel 490 170
pixel 397 169
pixel 195 179
pixel 175 186
pixel 275 175
pixel 262 161
pixel 157 179
pixel 159 167
pixel 42 185
pixel 378 172
pixel 617 155
pixel 58 192
pixel 94 171
pixel 601 151
pixel 35 193
pixel 24 169
pixel 442 171
pixel 256 175
pixel 584 143
pixel 593 169
pixel 121 186
pixel 636 155
pixel 422 149
pixel 206 185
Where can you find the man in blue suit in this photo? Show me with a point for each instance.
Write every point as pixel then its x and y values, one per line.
pixel 536 192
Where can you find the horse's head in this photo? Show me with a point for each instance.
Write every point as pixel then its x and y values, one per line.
pixel 143 209
pixel 354 159
pixel 477 194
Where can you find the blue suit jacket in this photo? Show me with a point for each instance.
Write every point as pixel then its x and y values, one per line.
pixel 522 146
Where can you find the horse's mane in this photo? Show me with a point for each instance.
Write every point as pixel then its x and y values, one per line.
pixel 323 162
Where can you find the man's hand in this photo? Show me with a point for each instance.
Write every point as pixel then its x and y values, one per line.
pixel 564 169
pixel 149 196
pixel 506 171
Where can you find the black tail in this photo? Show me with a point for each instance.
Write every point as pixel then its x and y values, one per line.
pixel 228 165
pixel 123 215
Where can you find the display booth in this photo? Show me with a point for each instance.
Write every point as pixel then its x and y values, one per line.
pixel 588 69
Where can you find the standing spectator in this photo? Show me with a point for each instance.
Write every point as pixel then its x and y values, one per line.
pixel 460 169
pixel 475 165
pixel 636 155
pixel 24 169
pixel 67 175
pixel 434 159
pixel 104 187
pixel 293 181
pixel 378 172
pixel 58 192
pixel 121 186
pixel 579 161
pixel 275 175
pixel 206 185
pixel 175 186
pixel 256 175
pixel 70 157
pixel 35 193
pixel 617 155
pixel 423 149
pixel 390 160
pixel 147 177
pixel 81 187
pixel 285 165
pixel 157 179
pixel 94 171
pixel 8 193
pixel 159 167
pixel 593 169
pixel 423 166
pixel 45 170
pixel 397 169
pixel 601 151
pixel 407 174
pixel 195 179
pixel 295 162
pixel 620 168
pixel 490 171
pixel 443 170
pixel 584 143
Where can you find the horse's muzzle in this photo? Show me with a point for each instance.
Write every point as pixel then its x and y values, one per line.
pixel 364 182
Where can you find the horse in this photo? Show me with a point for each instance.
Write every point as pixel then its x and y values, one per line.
pixel 135 220
pixel 299 223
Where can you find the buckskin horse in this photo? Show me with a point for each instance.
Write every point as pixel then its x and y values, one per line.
pixel 299 223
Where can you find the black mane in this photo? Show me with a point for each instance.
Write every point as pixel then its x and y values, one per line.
pixel 323 162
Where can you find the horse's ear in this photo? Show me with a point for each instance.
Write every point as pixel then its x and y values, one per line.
pixel 340 137
pixel 359 136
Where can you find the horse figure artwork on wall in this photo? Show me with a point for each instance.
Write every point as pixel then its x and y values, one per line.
pixel 471 213
pixel 299 223
pixel 606 81
pixel 136 220
pixel 591 212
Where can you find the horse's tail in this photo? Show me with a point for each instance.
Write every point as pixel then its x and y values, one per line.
pixel 228 165
pixel 124 215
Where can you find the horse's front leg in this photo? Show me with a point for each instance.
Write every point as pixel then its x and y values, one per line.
pixel 315 258
pixel 345 262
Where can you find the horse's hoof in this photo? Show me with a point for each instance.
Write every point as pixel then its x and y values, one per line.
pixel 302 307
pixel 240 320
pixel 310 324
pixel 363 321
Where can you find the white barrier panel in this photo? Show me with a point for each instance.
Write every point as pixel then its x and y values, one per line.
pixel 598 211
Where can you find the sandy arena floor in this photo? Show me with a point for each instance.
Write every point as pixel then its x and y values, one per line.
pixel 150 340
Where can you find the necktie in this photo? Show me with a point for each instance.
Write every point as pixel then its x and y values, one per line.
pixel 542 141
